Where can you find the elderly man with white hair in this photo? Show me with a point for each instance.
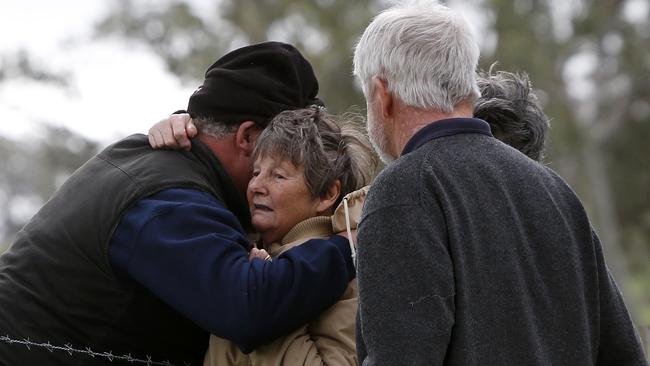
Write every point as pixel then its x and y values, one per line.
pixel 469 253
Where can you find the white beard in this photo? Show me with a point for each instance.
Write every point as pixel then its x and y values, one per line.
pixel 378 138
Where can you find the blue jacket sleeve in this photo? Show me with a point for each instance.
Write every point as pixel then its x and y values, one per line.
pixel 189 250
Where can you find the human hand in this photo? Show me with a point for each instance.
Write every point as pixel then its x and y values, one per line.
pixel 259 253
pixel 173 132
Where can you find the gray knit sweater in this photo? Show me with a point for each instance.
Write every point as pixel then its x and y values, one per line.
pixel 469 253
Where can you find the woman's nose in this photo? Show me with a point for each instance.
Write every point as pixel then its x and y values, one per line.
pixel 256 185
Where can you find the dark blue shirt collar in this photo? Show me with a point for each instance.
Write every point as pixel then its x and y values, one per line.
pixel 446 127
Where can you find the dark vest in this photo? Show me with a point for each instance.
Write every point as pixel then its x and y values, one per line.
pixel 56 284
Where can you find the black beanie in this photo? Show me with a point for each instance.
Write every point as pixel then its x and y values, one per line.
pixel 255 83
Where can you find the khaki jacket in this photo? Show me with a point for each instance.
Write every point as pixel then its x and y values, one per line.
pixel 327 340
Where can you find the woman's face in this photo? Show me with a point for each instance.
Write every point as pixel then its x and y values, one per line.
pixel 279 198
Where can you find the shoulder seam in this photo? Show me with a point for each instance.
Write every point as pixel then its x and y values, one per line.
pixel 120 169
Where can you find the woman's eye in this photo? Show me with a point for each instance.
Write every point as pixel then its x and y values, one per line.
pixel 279 176
pixel 256 173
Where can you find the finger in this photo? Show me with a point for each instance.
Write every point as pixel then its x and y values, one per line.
pixel 152 138
pixel 160 142
pixel 152 141
pixel 157 131
pixel 251 255
pixel 255 253
pixel 263 254
pixel 191 128
pixel 167 134
pixel 178 131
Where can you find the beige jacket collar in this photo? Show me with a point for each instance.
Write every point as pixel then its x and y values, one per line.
pixel 314 227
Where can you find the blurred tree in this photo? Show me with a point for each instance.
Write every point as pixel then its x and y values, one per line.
pixel 19 64
pixel 189 41
pixel 30 173
pixel 185 40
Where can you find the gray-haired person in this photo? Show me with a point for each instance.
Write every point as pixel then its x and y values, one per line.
pixel 307 171
pixel 511 108
pixel 142 254
pixel 469 252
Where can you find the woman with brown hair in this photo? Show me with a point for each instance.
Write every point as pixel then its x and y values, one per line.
pixel 306 164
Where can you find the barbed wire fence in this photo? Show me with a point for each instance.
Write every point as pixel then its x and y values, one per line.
pixel 72 351
pixel 645 338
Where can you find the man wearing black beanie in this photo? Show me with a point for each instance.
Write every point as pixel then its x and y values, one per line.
pixel 255 83
pixel 142 253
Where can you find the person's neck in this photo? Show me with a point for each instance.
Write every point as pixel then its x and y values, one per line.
pixel 409 120
pixel 218 146
pixel 224 149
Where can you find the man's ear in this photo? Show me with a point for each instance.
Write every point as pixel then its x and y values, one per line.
pixel 382 96
pixel 330 197
pixel 246 137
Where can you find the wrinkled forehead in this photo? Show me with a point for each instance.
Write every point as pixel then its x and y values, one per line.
pixel 278 152
pixel 270 161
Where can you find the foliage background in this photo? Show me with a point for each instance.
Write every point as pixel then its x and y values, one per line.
pixel 589 62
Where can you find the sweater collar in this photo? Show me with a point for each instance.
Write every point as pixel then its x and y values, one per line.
pixel 446 127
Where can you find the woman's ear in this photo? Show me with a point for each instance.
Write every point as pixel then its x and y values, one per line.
pixel 327 201
pixel 246 137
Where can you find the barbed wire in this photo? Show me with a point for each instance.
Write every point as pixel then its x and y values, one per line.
pixel 88 352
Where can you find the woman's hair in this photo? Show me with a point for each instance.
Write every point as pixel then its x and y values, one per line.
pixel 424 51
pixel 510 106
pixel 329 148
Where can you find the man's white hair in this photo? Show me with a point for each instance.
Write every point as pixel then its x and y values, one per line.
pixel 426 53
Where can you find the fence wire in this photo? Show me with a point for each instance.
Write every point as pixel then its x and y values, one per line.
pixel 72 351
